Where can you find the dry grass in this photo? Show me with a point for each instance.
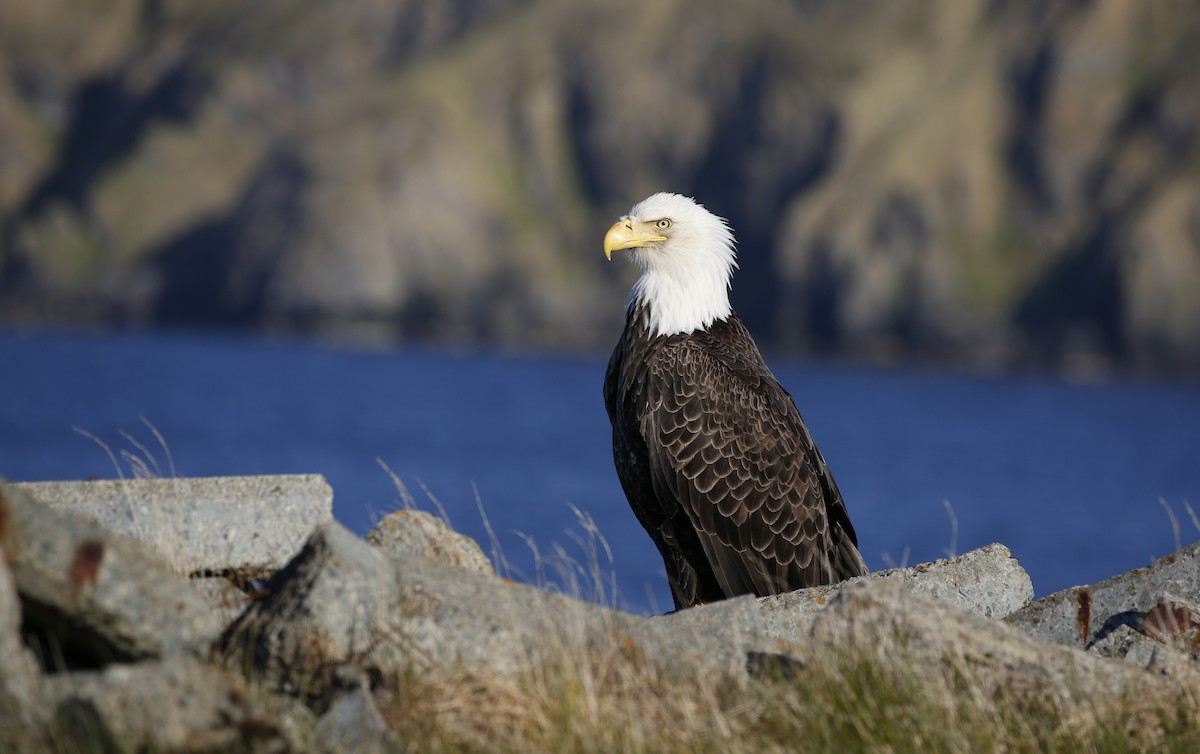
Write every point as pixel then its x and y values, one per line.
pixel 150 524
pixel 608 701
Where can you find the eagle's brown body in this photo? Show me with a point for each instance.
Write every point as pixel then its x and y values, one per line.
pixel 719 467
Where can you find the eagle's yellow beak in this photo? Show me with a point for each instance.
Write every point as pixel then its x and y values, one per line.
pixel 623 235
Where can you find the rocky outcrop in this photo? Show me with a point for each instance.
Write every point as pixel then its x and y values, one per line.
pixel 414 532
pixel 884 620
pixel 121 644
pixel 314 660
pixel 342 602
pixel 96 596
pixel 1000 183
pixel 238 527
pixel 225 533
pixel 987 582
pixel 1083 615
pixel 176 704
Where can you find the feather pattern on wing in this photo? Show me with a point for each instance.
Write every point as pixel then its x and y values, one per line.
pixel 719 467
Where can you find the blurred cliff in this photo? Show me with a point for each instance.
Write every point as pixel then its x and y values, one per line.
pixel 987 182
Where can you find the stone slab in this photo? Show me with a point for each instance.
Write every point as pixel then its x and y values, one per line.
pixel 987 582
pixel 215 525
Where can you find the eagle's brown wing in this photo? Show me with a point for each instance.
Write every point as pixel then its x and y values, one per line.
pixel 670 527
pixel 726 445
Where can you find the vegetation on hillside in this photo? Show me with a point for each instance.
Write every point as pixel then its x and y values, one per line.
pixel 1000 183
pixel 611 701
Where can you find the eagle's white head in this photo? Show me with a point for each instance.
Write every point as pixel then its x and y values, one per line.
pixel 687 258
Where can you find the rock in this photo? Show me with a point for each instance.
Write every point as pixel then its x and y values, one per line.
pixel 95 596
pixel 415 532
pixel 332 604
pixel 744 615
pixel 1080 615
pixel 886 618
pixel 178 704
pixel 354 724
pixel 894 626
pixel 1164 641
pixel 249 526
pixel 340 602
pixel 1124 643
pixel 20 682
pixel 342 621
pixel 223 595
pixel 987 582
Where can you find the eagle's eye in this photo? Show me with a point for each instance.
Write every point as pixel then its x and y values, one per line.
pixel 663 224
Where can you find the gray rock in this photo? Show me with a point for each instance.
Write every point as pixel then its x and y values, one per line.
pixel 340 601
pixel 354 724
pixel 225 598
pixel 987 582
pixel 177 704
pixel 331 605
pixel 414 532
pixel 1124 643
pixel 20 681
pixel 742 615
pixel 1164 641
pixel 91 592
pixel 893 625
pixel 886 620
pixel 1079 615
pixel 246 525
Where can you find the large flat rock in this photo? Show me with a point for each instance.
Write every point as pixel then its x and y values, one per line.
pixel 987 582
pixel 215 525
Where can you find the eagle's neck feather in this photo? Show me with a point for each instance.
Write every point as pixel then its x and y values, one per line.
pixel 682 290
pixel 672 307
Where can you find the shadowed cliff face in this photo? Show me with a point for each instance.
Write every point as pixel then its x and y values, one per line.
pixel 994 183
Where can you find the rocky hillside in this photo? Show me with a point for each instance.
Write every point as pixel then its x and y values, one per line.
pixel 996 183
pixel 132 621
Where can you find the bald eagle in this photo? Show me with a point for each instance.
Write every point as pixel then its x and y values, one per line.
pixel 710 449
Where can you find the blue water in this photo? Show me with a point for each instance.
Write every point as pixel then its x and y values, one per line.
pixel 1073 478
